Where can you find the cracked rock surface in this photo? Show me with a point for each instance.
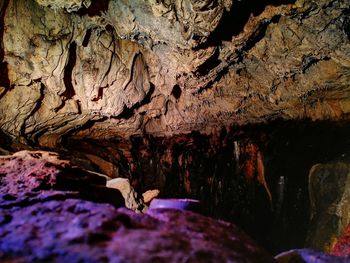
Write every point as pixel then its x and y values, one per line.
pixel 116 68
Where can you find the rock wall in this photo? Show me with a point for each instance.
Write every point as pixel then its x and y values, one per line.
pixel 105 68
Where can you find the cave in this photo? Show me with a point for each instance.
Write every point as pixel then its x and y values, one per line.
pixel 175 131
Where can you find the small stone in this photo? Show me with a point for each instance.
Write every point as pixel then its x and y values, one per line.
pixel 149 195
pixel 130 196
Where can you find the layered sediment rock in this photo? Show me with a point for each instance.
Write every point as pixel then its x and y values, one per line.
pixel 105 68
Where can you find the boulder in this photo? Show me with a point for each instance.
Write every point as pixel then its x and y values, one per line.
pixel 26 176
pixel 74 230
pixel 52 211
pixel 329 187
pixel 149 195
pixel 132 200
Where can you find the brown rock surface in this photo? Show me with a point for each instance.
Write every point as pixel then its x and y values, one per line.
pixel 106 68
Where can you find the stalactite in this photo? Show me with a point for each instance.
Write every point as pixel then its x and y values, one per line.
pixel 254 168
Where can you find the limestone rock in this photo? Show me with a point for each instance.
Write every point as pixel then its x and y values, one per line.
pixel 329 187
pixel 132 201
pixel 149 195
pixel 69 5
pixel 102 69
pixel 31 176
pixel 80 231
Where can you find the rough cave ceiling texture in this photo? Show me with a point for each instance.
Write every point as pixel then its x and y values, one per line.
pixel 96 68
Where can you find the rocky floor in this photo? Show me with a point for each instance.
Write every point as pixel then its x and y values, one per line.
pixel 52 211
pixel 45 217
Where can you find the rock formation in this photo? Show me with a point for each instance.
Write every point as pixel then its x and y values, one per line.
pixel 132 200
pixel 24 174
pixel 330 199
pixel 32 177
pixel 103 69
pixel 154 91
pixel 45 216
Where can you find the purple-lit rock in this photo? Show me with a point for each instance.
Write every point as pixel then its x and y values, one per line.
pixel 33 176
pixel 47 215
pixel 308 256
pixel 81 231
pixel 181 204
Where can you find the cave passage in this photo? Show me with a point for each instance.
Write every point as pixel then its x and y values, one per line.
pixel 256 176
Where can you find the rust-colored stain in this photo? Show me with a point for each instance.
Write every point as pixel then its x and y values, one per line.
pixel 187 182
pixel 342 246
pixel 253 165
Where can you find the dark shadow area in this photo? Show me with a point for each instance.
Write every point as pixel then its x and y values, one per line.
pixel 4 80
pixel 208 168
pixel 3 6
pixel 218 76
pixel 129 112
pixel 176 92
pixel 32 141
pixel 95 9
pixel 346 24
pixel 68 70
pixel 87 38
pixel 259 33
pixel 291 150
pixel 5 142
pixel 233 22
pixel 209 64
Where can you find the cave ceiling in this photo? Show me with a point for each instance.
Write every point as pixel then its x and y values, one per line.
pixel 100 69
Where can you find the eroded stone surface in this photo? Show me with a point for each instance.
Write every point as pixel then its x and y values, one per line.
pixel 132 200
pixel 106 68
pixel 329 186
pixel 33 176
pixel 77 230
pixel 44 217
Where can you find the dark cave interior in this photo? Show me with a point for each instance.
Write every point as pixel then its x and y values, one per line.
pixel 208 168
pixel 242 105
